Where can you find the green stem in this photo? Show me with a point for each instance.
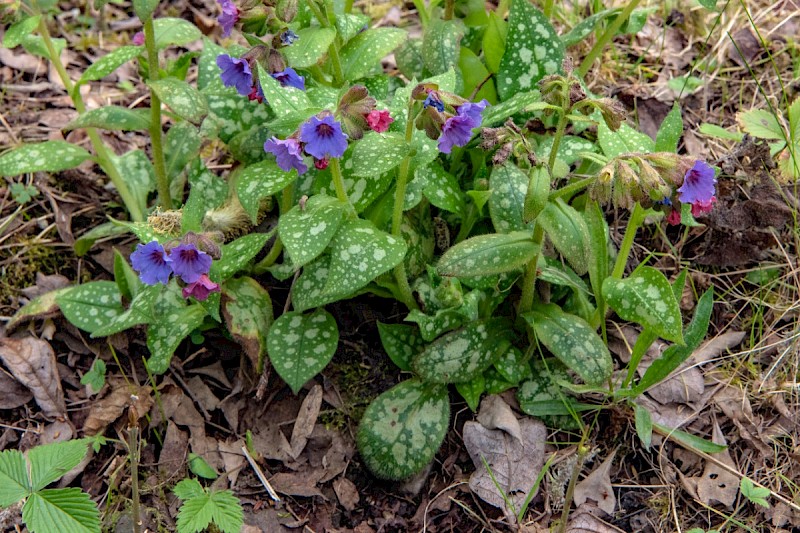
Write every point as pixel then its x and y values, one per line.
pixel 572 188
pixel 102 155
pixel 548 8
pixel 338 181
pixel 643 342
pixel 570 494
pixel 634 223
pixel 162 181
pixel 529 280
pixel 327 19
pixel 449 9
pixel 604 39
pixel 560 129
pixel 133 451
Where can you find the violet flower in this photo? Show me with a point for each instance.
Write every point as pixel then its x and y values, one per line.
pixel 152 263
pixel 201 288
pixel 235 73
pixel 290 78
pixel 229 16
pixel 323 137
pixel 189 263
pixel 288 154
pixel 433 100
pixel 457 130
pixel 698 184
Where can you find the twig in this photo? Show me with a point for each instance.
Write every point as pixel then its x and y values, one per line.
pixel 260 475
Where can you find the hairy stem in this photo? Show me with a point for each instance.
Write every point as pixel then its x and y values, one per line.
pixel 338 181
pixel 634 223
pixel 529 280
pixel 162 181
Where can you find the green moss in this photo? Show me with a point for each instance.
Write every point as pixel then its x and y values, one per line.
pixel 18 267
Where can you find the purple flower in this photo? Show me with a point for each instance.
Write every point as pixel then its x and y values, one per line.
pixel 152 263
pixel 323 137
pixel 288 154
pixel 473 111
pixel 288 38
pixel 201 288
pixel 138 38
pixel 229 16
pixel 698 184
pixel 457 130
pixel 235 73
pixel 290 78
pixel 189 263
pixel 433 100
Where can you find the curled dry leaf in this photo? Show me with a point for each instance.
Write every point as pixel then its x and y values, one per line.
pixel 346 493
pixel 585 522
pixel 496 414
pixel 33 362
pixel 110 408
pixel 597 486
pixel 306 418
pixel 717 484
pixel 13 394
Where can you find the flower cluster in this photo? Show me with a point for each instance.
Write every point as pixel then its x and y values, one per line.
pixel 229 16
pixel 698 189
pixel 155 264
pixel 238 73
pixel 447 117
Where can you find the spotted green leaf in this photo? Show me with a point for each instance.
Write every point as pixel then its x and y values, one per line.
pixel 520 101
pixel 484 255
pixel 34 44
pixel 376 153
pixel 247 309
pixel 646 298
pixel 50 156
pixel 182 145
pixel 92 305
pixel 513 365
pixel 18 30
pixel 259 181
pixel 282 100
pixel 441 43
pixel 308 289
pixel 138 172
pixel 349 24
pixel 312 44
pixel 207 192
pixel 127 280
pixel 417 231
pixel 236 255
pixel 624 140
pixel 174 31
pixel 401 342
pixel 533 50
pixel 144 8
pixel 586 26
pixel 461 355
pixel 509 186
pixel 140 311
pixel 306 231
pixel 112 118
pixel 472 391
pixel 165 335
pixel 569 150
pixel 572 340
pixel 543 396
pixel 208 73
pixel 409 58
pixel 186 101
pixel 365 51
pixel 402 429
pixel 670 132
pixel 300 346
pixel 38 307
pixel 110 62
pixel 432 325
pixel 442 188
pixel 567 230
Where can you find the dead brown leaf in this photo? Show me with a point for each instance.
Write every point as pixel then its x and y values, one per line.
pixel 109 409
pixel 172 460
pixel 496 414
pixel 597 486
pixel 203 394
pixel 232 458
pixel 585 522
pixel 306 419
pixel 270 442
pixel 717 483
pixel 346 493
pixel 303 483
pixel 13 394
pixel 33 363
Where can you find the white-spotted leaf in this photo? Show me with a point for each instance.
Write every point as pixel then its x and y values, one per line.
pixel 112 118
pixel 260 180
pixel 401 342
pixel 306 231
pixel 164 335
pixel 236 254
pixel 300 346
pixel 248 315
pixel 509 185
pixel 441 43
pixel 282 100
pixel 349 24
pixel 186 101
pixel 485 255
pixel 402 429
pixel 92 305
pixel 174 31
pixel 569 151
pixel 377 153
pixel 140 311
pixel 567 230
pixel 208 73
pixel 230 114
pixel 182 146
pixel 138 172
pixel 365 51
pixel 312 44
pixel 441 188
pixel 670 132
pixel 624 140
pixel 520 101
pixel 18 30
pixel 207 192
pixel 110 62
pixel 50 156
pixel 361 190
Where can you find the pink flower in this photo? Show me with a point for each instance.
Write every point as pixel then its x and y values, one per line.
pixel 674 218
pixel 700 207
pixel 379 120
pixel 201 288
pixel 138 38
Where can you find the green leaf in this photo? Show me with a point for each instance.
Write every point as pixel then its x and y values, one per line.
pixel 537 193
pixel 186 101
pixel 567 230
pixel 300 346
pixel 401 343
pixel 572 340
pixel 472 391
pixel 37 307
pixel 95 378
pixel 533 50
pixel 365 51
pixel 50 156
pixel 757 495
pixel 259 181
pixel 485 255
pixel 16 32
pixel 499 113
pixel 597 228
pixel 716 131
pixel 219 507
pixel 208 73
pixel 110 62
pixel 200 467
pixel 237 254
pixel 670 131
pixel 138 172
pixel 409 58
pixel 644 425
pixel 708 4
pixel 402 429
pixel 441 188
pixel 440 45
pixel 208 191
pixel 22 194
pixel 509 185
pixel 306 231
pixel 182 146
pixel 174 31
pixel 139 312
pixel 126 279
pixel 50 462
pixel 494 41
pixel 459 356
pixel 349 24
pixel 586 26
pixel 164 336
pixel 282 100
pixel 61 510
pixel 476 75
pixel 624 140
pixel 689 440
pixel 113 118
pixel 92 305
pixel 513 365
pixel 569 151
pixel 144 8
pixel 34 44
pixel 761 124
pixel 188 488
pixel 14 483
pixel 312 44
pixel 646 298
pixel 376 153
pixel 248 316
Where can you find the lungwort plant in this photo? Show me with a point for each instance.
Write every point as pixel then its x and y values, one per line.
pixel 471 190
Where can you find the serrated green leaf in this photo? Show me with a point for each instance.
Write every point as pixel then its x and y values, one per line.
pixel 300 346
pixel 312 44
pixel 757 495
pixel 50 462
pixel 186 101
pixel 207 191
pixel 485 255
pixel 50 156
pixel 248 316
pixel 440 45
pixel 14 483
pixel 365 50
pixel 623 141
pixel 95 378
pixel 188 488
pixel 18 30
pixel 567 230
pixel 237 254
pixel 174 31
pixel 646 298
pixel 164 336
pixel 500 112
pixel 761 124
pixel 61 510
pixel 282 100
pixel 533 50
pixel 113 118
pixel 306 231
pixel 509 185
pixel 401 343
pixel 110 62
pixel 572 340
pixel 402 429
pixel 442 188
pixel 376 153
pixel 92 305
pixel 494 41
pixel 220 507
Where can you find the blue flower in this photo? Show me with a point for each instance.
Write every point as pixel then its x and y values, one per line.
pixel 290 78
pixel 288 38
pixel 288 154
pixel 698 184
pixel 152 263
pixel 235 73
pixel 473 110
pixel 189 263
pixel 323 137
pixel 457 130
pixel 433 100
pixel 229 16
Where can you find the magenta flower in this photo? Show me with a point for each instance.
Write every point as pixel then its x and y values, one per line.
pixel 152 263
pixel 698 184
pixel 321 164
pixel 235 73
pixel 457 130
pixel 189 263
pixel 229 16
pixel 290 78
pixel 701 208
pixel 323 137
pixel 288 154
pixel 674 218
pixel 201 288
pixel 379 120
pixel 138 38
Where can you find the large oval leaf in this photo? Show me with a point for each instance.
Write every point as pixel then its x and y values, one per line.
pixel 92 305
pixel 508 185
pixel 567 230
pixel 50 156
pixel 258 181
pixel 485 255
pixel 402 429
pixel 310 47
pixel 376 153
pixel 306 231
pixel 365 51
